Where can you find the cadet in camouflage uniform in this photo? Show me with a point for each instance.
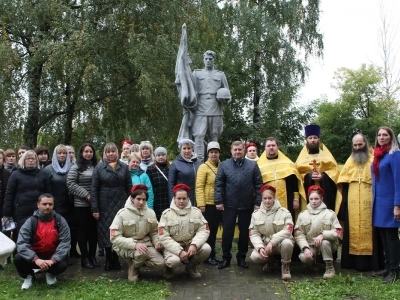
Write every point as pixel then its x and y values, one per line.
pixel 271 232
pixel 183 232
pixel 317 231
pixel 133 233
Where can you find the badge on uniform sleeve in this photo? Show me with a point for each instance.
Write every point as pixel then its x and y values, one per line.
pixel 338 231
pixel 160 230
pixel 290 228
pixel 207 227
pixel 112 232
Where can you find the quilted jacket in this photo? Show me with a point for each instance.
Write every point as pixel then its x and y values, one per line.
pixel 238 184
pixel 110 188
pixel 183 171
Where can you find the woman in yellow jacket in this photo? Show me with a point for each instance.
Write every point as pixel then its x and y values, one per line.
pixel 205 186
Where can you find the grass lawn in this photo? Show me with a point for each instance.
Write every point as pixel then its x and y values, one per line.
pixel 344 287
pixel 80 288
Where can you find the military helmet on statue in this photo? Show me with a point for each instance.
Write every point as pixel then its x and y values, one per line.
pixel 223 95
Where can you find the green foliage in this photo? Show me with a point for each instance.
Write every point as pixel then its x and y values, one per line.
pixel 80 287
pixel 86 71
pixel 360 108
pixel 344 287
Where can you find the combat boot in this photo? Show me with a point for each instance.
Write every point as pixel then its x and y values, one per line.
pixel 191 268
pixel 133 273
pixel 330 270
pixel 286 270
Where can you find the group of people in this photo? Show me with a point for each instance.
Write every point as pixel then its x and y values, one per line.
pixel 153 213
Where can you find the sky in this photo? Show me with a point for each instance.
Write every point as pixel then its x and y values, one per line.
pixel 351 38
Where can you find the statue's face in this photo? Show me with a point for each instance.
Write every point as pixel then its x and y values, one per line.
pixel 208 61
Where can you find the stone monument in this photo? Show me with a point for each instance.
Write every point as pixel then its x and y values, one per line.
pixel 201 94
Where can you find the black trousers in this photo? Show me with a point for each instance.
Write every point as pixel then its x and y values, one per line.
pixel 213 216
pixel 86 231
pixel 391 247
pixel 25 267
pixel 229 216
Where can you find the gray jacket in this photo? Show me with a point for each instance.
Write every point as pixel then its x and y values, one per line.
pixel 79 184
pixel 26 234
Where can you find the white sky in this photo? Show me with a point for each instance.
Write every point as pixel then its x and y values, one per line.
pixel 350 29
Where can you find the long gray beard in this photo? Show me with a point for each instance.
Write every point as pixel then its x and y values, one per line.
pixel 360 157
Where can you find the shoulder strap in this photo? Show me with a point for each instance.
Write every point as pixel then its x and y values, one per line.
pixel 210 168
pixel 34 221
pixel 161 172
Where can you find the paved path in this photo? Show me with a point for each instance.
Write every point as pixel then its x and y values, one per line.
pixel 233 283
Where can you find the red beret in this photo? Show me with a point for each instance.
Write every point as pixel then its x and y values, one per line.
pixel 315 188
pixel 250 144
pixel 181 187
pixel 267 187
pixel 139 187
pixel 126 142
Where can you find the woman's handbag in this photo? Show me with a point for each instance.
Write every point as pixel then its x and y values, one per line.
pixel 7 247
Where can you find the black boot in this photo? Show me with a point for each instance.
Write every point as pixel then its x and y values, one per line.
pixel 224 264
pixel 94 261
pixel 390 277
pixel 87 263
pixel 117 265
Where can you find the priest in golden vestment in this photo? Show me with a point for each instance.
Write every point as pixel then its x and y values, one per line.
pixel 317 166
pixel 354 207
pixel 280 172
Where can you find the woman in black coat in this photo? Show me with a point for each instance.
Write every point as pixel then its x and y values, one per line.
pixel 24 187
pixel 184 169
pixel 63 203
pixel 111 184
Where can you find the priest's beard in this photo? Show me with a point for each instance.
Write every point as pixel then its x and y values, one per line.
pixel 361 156
pixel 313 148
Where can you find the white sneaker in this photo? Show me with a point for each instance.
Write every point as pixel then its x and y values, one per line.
pixel 51 279
pixel 27 282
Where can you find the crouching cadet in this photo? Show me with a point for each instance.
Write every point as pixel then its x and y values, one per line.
pixel 43 243
pixel 317 232
pixel 133 234
pixel 271 232
pixel 183 231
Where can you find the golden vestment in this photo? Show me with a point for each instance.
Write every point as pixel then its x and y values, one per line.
pixel 274 172
pixel 324 159
pixel 359 205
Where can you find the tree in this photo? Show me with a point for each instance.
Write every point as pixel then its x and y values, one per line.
pixel 361 107
pixel 390 85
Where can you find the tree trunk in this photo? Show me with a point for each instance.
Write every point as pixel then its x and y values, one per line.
pixel 257 88
pixel 31 129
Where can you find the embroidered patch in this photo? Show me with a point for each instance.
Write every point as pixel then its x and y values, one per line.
pixel 290 228
pixel 338 231
pixel 112 232
pixel 207 227
pixel 160 230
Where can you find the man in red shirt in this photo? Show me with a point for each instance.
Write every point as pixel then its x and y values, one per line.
pixel 43 243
